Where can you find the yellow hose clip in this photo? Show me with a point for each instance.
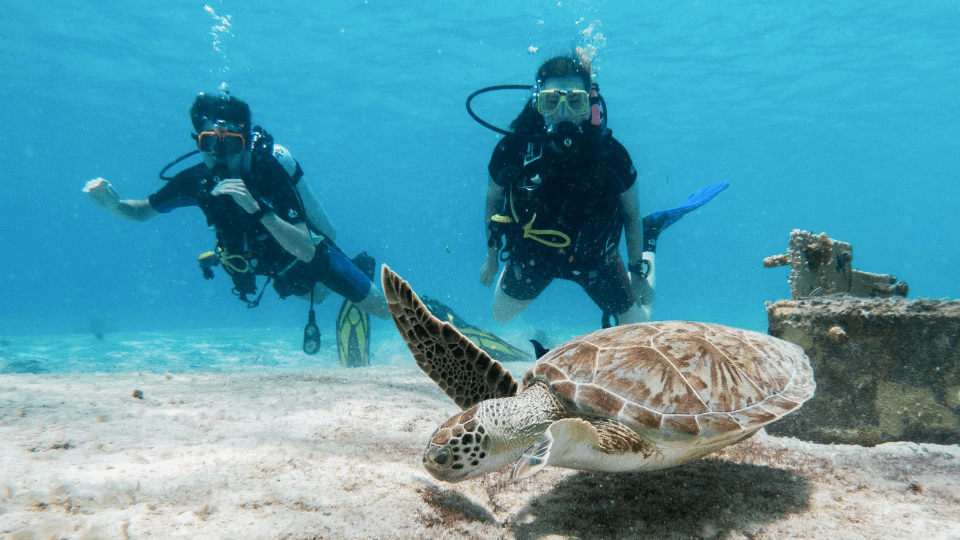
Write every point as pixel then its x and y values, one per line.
pixel 537 235
pixel 226 259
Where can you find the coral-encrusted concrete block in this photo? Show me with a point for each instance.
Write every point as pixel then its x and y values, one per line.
pixel 887 369
pixel 820 266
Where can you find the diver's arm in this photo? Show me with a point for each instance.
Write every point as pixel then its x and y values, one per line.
pixel 495 194
pixel 630 211
pixel 643 289
pixel 104 196
pixel 293 238
pixel 315 210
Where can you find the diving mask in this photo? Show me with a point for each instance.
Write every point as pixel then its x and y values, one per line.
pixel 220 140
pixel 549 101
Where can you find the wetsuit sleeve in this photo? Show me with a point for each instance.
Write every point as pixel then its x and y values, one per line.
pixel 182 191
pixel 504 163
pixel 619 167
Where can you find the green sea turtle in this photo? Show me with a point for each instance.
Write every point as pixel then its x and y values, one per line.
pixel 630 398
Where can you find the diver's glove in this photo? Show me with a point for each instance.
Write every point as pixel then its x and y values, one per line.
pixel 207 261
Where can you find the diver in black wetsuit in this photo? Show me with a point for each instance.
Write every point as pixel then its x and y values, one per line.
pixel 561 189
pixel 267 221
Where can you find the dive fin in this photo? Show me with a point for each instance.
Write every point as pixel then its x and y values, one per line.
pixel 538 348
pixel 442 312
pixel 657 222
pixel 494 345
pixel 353 325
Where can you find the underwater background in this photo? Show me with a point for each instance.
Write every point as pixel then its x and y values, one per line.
pixel 831 117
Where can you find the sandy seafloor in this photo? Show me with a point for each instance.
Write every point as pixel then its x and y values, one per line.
pixel 248 438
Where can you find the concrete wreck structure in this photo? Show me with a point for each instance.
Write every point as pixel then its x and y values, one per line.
pixel 887 368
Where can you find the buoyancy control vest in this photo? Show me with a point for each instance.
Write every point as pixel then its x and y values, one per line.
pixel 244 246
pixel 561 208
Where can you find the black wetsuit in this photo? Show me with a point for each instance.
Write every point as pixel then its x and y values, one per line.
pixel 575 193
pixel 248 246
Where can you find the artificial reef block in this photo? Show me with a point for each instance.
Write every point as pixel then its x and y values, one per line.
pixel 820 266
pixel 887 369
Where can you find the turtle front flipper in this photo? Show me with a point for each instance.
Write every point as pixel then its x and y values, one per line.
pixel 461 369
pixel 600 445
pixel 561 438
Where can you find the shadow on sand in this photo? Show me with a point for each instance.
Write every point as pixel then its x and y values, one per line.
pixel 705 499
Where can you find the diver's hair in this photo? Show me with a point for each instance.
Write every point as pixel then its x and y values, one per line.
pixel 220 106
pixel 530 120
pixel 565 66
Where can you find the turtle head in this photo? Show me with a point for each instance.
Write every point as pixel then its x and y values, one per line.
pixel 461 448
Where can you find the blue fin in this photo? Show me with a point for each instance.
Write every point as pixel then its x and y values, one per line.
pixel 657 222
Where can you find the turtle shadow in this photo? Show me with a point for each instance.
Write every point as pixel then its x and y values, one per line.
pixel 703 499
pixel 450 507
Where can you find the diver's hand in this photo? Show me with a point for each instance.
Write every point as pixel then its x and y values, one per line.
pixel 489 269
pixel 102 194
pixel 238 190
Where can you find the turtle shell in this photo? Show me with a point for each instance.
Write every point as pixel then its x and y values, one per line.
pixel 678 381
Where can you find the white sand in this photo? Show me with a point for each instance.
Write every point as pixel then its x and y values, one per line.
pixel 335 453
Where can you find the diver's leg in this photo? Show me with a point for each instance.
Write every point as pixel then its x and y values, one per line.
pixel 338 273
pixel 517 288
pixel 635 314
pixel 611 291
pixel 374 303
pixel 320 293
pixel 505 307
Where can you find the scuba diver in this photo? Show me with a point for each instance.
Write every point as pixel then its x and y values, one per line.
pixel 560 191
pixel 266 219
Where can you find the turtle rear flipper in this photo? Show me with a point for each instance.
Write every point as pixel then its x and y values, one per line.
pixel 461 369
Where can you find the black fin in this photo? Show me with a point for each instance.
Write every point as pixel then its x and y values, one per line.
pixel 538 349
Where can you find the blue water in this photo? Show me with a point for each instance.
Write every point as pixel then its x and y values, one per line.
pixel 838 117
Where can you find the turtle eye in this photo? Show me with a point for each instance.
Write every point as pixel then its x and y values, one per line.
pixel 438 455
